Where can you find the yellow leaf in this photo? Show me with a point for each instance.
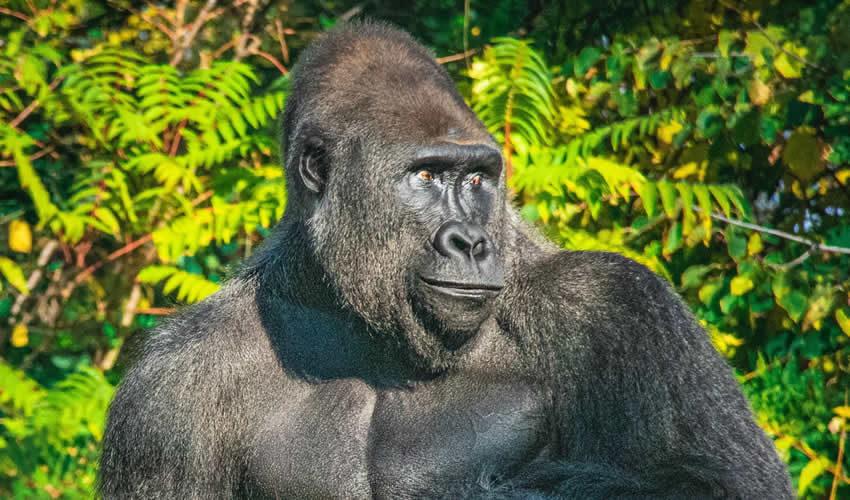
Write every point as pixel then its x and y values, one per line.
pixel 759 92
pixel 543 210
pixel 741 285
pixel 843 176
pixel 572 87
pixel 14 275
pixel 784 443
pixel 842 411
pixel 802 153
pixel 756 42
pixel 20 336
pixel 788 66
pixel 666 133
pixel 807 96
pixel 810 472
pixel 754 245
pixel 20 236
pixel 666 59
pixel 843 319
pixel 785 67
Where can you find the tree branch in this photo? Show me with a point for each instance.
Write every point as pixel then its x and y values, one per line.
pixel 771 40
pixel 188 37
pixel 814 245
pixel 13 13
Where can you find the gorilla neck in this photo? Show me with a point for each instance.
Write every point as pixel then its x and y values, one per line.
pixel 318 339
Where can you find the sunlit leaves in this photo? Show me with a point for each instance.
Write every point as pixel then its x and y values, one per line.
pixel 20 335
pixel 512 93
pixel 13 274
pixel 20 236
pixel 741 285
pixel 190 287
pixel 842 316
pixel 809 473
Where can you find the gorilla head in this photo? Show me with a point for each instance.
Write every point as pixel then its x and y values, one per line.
pixel 400 188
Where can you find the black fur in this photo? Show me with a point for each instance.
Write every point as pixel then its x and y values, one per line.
pixel 332 366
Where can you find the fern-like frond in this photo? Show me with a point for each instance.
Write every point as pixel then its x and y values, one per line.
pixel 512 93
pixel 190 287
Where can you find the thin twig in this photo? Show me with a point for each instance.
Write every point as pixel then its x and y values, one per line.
pixel 772 41
pixel 129 247
pixel 802 447
pixel 34 104
pixel 838 461
pixel 43 152
pixel 155 311
pixel 284 49
pixel 814 245
pixel 456 57
pixel 351 12
pixel 799 260
pixel 241 49
pixel 156 24
pixel 34 278
pixel 270 58
pixel 188 37
pixel 13 13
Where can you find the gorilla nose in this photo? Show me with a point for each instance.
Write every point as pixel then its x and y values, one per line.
pixel 461 240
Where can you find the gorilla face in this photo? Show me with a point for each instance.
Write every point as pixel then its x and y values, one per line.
pixel 452 190
pixel 407 238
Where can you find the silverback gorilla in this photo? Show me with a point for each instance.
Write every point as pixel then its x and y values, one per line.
pixel 402 334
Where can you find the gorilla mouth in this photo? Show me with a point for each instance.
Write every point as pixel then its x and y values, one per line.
pixel 463 289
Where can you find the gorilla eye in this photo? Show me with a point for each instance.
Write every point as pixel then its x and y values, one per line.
pixel 475 181
pixel 425 175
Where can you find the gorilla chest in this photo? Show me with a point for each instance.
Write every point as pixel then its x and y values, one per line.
pixel 450 436
pixel 433 441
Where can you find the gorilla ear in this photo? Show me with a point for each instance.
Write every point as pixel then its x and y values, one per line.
pixel 313 165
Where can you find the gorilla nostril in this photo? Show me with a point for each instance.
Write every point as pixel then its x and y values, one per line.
pixel 460 243
pixel 478 248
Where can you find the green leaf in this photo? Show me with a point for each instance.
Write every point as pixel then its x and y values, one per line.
pixel 658 79
pixel 686 192
pixel 693 275
pixel 650 198
pixel 674 239
pixel 737 244
pixel 587 58
pixel 709 291
pixel 709 123
pixel 722 199
pixel 842 316
pixel 803 155
pixel 725 41
pixel 155 274
pixel 795 303
pixel 728 303
pixel 668 197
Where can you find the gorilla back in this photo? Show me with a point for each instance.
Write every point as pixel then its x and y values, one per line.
pixel 402 335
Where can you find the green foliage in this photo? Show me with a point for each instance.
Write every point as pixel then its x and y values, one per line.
pixel 134 171
pixel 647 144
pixel 51 436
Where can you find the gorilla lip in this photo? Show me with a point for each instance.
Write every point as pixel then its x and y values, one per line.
pixel 470 290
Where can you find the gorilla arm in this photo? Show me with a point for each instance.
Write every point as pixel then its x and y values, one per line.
pixel 644 406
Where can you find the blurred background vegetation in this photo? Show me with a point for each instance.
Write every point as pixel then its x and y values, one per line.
pixel 706 139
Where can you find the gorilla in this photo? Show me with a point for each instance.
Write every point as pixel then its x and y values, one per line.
pixel 403 334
